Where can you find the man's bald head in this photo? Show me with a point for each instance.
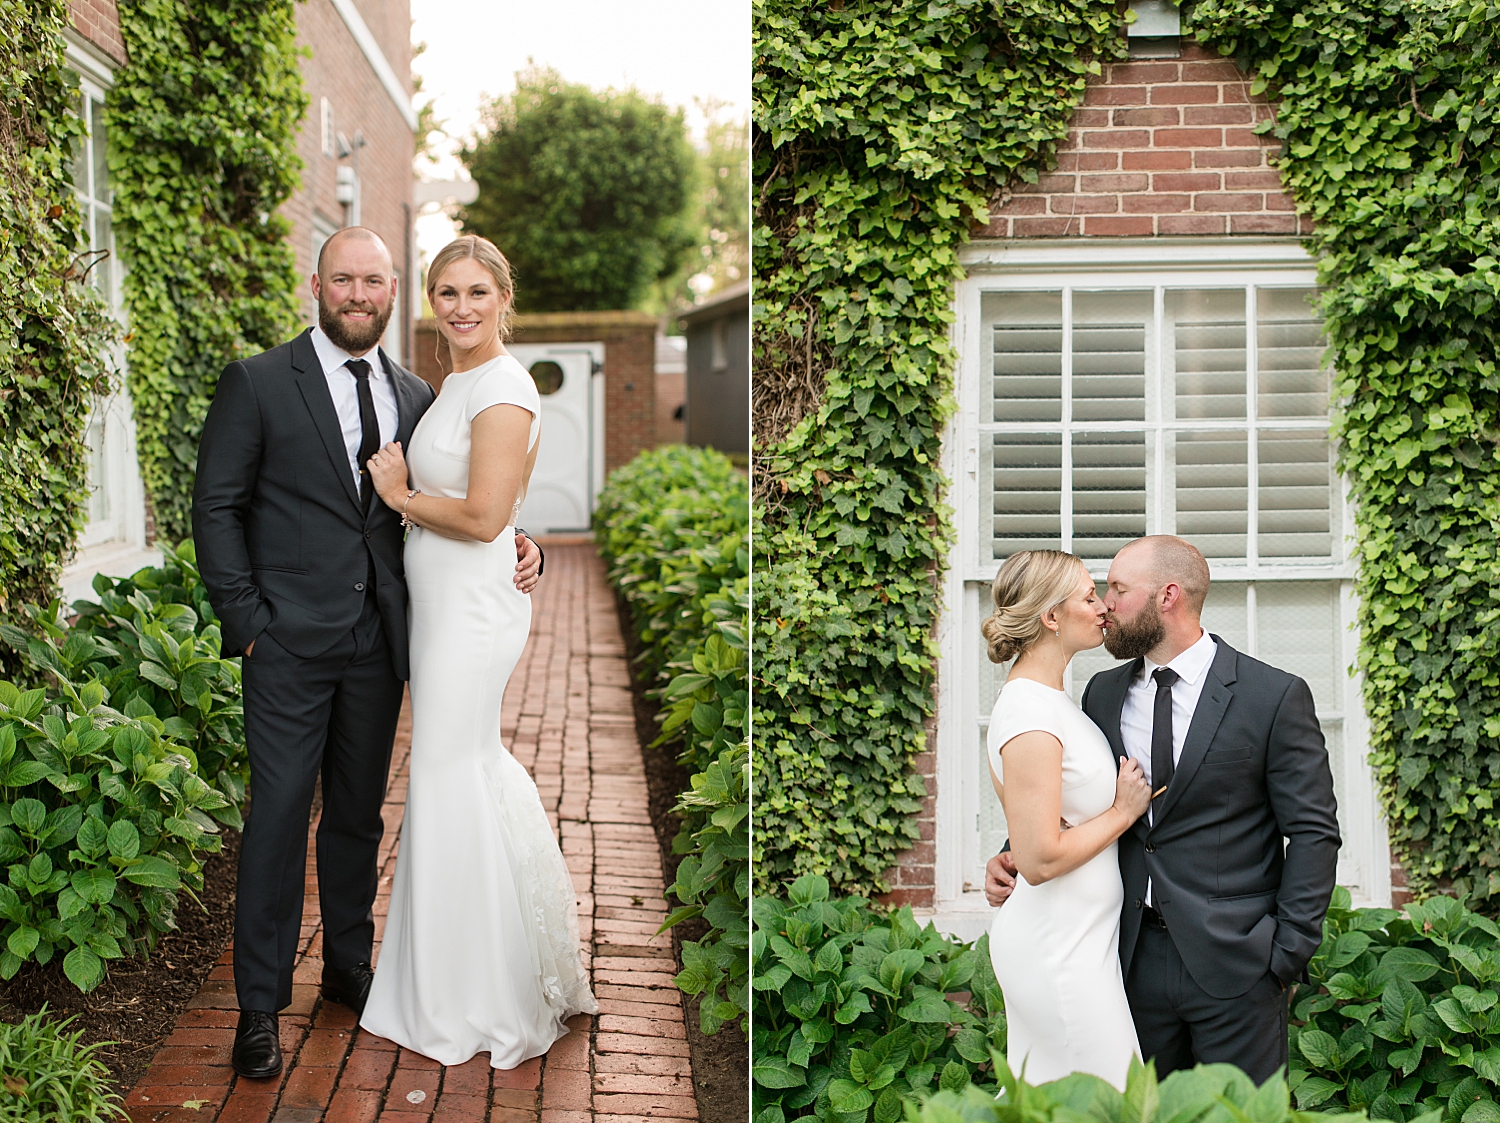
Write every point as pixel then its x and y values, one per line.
pixel 1172 560
pixel 347 236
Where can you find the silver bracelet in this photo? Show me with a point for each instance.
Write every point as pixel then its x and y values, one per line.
pixel 406 518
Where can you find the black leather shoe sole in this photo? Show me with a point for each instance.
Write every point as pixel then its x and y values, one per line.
pixel 336 994
pixel 259 1073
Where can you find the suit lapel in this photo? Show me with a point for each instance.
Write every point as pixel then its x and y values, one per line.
pixel 1112 703
pixel 314 386
pixel 407 410
pixel 1212 704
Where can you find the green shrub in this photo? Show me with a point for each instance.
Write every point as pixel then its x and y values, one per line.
pixel 855 1011
pixel 713 881
pixel 1406 1018
pixel 113 773
pixel 153 639
pixel 671 525
pixel 47 1077
pixel 1217 1093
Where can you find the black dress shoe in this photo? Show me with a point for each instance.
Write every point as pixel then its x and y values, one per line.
pixel 348 985
pixel 257 1045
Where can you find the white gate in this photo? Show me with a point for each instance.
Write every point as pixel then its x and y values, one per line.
pixel 570 460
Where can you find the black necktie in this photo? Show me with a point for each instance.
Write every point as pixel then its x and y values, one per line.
pixel 1162 764
pixel 369 428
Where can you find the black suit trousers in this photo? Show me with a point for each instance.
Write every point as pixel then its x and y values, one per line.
pixel 1180 1025
pixel 332 715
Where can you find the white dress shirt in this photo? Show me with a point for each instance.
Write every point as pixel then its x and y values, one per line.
pixel 1137 715
pixel 344 388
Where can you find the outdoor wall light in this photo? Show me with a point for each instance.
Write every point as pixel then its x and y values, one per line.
pixel 1157 30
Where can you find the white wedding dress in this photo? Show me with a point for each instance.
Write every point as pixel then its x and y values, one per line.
pixel 481 947
pixel 1055 946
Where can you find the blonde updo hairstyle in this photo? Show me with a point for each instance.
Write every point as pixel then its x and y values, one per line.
pixel 488 255
pixel 1028 584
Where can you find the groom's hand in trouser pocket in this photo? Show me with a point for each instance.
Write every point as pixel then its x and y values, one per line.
pixel 999 878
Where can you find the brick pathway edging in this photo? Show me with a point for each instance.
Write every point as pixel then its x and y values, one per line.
pixel 568 718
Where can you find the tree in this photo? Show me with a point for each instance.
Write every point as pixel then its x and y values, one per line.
pixel 587 193
pixel 721 213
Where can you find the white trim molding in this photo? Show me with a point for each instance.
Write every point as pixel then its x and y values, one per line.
pixel 377 60
pixel 1099 255
pixel 88 59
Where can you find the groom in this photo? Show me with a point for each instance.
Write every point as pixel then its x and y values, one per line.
pixel 303 567
pixel 1221 915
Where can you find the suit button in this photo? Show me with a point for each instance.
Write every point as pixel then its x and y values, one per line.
pixel 1150 848
pixel 359 586
pixel 1138 902
pixel 368 533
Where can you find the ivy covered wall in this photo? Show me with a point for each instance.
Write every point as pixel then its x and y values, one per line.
pixel 882 129
pixel 54 333
pixel 881 132
pixel 203 121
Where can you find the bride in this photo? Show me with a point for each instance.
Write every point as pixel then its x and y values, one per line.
pixel 1054 945
pixel 481 948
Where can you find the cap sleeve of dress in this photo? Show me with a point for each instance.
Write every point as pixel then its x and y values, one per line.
pixel 1022 709
pixel 506 382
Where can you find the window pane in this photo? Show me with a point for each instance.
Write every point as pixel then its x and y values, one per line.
pixel 1026 356
pixel 1224 614
pixel 1207 328
pixel 1298 632
pixel 1290 341
pixel 98 485
pixel 100 136
pixel 1109 355
pixel 993 832
pixel 1109 492
pixel 1295 494
pixel 1212 473
pixel 78 149
pixel 104 269
pixel 1025 512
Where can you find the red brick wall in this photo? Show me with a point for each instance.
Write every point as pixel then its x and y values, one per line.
pixel 1159 146
pixel 98 21
pixel 629 340
pixel 339 71
pixel 913 881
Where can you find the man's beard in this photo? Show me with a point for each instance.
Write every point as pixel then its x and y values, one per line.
pixel 354 339
pixel 1134 639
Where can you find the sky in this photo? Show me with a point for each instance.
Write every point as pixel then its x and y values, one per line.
pixel 676 49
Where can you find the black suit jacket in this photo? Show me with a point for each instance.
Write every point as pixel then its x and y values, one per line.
pixel 1237 899
pixel 283 543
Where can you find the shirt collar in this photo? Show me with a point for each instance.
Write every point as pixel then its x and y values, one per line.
pixel 1189 664
pixel 332 356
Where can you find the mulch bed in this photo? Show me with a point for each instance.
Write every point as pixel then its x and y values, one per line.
pixel 137 1006
pixel 721 1063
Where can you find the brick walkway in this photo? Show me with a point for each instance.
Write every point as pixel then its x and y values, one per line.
pixel 568 718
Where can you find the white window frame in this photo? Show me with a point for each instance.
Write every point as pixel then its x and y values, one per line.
pixel 330 142
pixel 115 544
pixel 1031 265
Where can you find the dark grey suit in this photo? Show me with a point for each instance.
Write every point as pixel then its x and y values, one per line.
pixel 1243 908
pixel 294 563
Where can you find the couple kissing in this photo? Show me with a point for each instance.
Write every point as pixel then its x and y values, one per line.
pixel 1173 841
